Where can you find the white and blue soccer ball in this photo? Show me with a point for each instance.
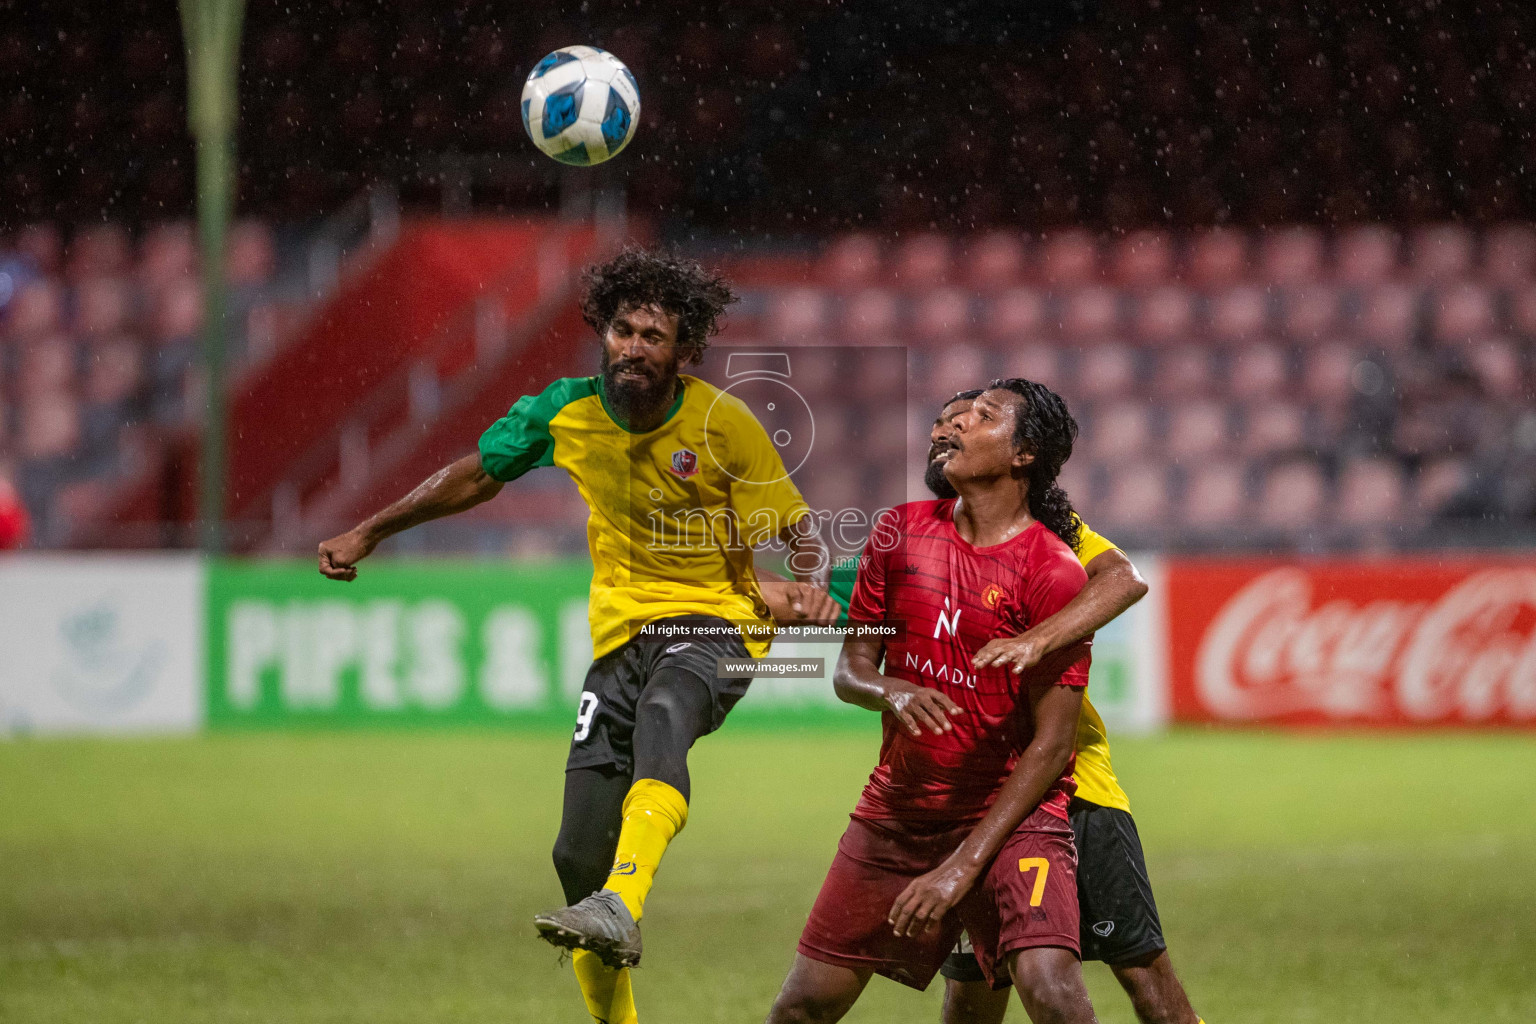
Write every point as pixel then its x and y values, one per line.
pixel 581 105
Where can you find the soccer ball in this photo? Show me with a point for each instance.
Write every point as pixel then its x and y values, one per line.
pixel 580 105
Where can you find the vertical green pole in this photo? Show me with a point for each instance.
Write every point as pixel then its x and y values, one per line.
pixel 212 36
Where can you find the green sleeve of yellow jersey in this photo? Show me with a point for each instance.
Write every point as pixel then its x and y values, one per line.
pixel 1091 545
pixel 845 573
pixel 763 496
pixel 521 440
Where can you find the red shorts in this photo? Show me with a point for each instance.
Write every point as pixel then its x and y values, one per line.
pixel 1027 898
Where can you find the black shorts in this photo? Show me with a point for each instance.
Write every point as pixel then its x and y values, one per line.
pixel 605 718
pixel 1118 921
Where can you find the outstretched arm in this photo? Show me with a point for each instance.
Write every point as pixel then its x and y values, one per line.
pixel 1113 586
pixel 457 486
pixel 929 897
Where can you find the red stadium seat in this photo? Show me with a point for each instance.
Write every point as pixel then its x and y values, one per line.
pixel 996 260
pixel 1218 258
pixel 43 245
pixel 1292 497
pixel 879 375
pixel 251 257
pixel 1184 372
pixel 1370 493
pixel 921 261
pixel 1522 310
pixel 817 371
pixel 1090 314
pixel 1016 316
pixel 1165 316
pixel 1239 314
pixel 36 311
pixel 1460 312
pixel 1367 255
pixel 1120 432
pixel 102 250
pixel 1499 368
pixel 1388 316
pixel 943 313
pixel 167 253
pixel 1309 313
pixel 1105 371
pixel 45 365
pixel 1272 428
pixel 1076 478
pixel 1215 496
pixel 851 261
pixel 1197 430
pixel 114 370
pixel 1041 363
pixel 102 306
pixel 1440 252
pixel 1069 258
pixel 1291 256
pixel 49 426
pixel 1258 371
pixel 1509 255
pixel 1437 483
pixel 177 311
pixel 957 367
pixel 1328 378
pixel 797 315
pixel 1142 259
pixel 1138 497
pixel 883 432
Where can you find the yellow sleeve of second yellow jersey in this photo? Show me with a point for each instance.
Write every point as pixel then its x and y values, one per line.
pixel 1091 545
pixel 763 496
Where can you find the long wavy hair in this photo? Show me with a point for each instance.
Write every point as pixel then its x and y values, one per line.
pixel 1044 428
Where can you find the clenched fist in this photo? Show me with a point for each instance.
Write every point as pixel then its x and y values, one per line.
pixel 339 555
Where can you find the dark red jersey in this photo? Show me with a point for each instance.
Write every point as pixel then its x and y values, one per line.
pixel 949 598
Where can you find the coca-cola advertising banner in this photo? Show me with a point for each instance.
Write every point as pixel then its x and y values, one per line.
pixel 1405 642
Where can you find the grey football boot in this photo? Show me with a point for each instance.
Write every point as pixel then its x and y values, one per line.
pixel 600 923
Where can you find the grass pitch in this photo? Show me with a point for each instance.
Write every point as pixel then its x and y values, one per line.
pixel 391 878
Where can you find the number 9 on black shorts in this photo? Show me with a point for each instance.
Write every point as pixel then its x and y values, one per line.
pixel 605 717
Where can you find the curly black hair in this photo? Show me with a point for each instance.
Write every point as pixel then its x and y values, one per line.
pixel 1044 427
pixel 638 277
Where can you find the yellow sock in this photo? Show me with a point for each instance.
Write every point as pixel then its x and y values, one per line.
pixel 654 812
pixel 607 992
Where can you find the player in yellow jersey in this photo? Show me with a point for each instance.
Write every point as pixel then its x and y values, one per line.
pixel 681 482
pixel 1119 921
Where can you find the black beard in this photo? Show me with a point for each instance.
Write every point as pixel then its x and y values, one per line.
pixel 633 401
pixel 937 482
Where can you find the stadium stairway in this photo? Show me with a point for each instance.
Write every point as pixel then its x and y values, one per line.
pixel 450 316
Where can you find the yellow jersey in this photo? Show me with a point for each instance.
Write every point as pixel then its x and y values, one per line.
pixel 674 512
pixel 1096 780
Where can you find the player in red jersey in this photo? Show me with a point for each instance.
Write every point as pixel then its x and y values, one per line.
pixel 964 822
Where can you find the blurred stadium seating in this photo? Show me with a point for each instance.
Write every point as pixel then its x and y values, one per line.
pixel 1291 297
pixel 97 350
pixel 1301 387
pixel 1348 388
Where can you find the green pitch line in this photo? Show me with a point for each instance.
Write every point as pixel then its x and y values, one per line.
pixel 391 878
